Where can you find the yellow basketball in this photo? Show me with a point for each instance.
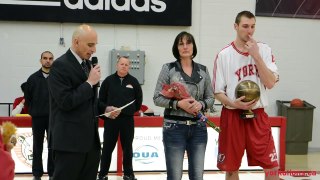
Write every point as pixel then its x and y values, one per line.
pixel 249 89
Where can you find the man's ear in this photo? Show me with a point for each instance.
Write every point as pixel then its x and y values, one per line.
pixel 235 26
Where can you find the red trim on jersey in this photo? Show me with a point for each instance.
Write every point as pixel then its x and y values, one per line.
pixel 235 48
pixel 215 68
pixel 214 73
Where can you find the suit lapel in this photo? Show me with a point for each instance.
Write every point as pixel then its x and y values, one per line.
pixel 76 65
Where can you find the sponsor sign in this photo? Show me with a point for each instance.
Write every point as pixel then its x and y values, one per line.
pixel 139 12
pixel 148 152
pixel 22 153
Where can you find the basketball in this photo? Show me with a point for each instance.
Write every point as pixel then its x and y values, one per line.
pixel 249 89
pixel 296 103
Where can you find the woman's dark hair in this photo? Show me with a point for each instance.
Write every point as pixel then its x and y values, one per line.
pixel 178 39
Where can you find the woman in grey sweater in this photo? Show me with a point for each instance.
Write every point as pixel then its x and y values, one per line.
pixel 182 129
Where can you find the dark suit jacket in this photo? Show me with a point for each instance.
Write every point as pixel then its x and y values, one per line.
pixel 73 125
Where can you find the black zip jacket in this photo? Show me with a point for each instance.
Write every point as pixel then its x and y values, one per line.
pixel 116 91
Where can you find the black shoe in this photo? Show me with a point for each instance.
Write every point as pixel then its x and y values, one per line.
pixel 131 177
pixel 103 178
pixel 36 178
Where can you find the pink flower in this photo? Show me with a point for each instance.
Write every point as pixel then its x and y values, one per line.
pixel 178 91
pixel 174 90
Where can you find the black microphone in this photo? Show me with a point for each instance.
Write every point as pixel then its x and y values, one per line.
pixel 94 62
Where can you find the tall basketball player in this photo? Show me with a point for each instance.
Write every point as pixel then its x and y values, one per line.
pixel 245 59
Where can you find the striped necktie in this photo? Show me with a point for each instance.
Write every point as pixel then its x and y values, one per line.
pixel 85 67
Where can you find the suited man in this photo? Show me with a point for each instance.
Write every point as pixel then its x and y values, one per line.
pixel 74 128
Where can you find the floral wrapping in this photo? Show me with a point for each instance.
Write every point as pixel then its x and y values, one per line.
pixel 178 91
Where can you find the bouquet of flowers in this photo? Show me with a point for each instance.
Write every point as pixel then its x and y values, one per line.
pixel 178 91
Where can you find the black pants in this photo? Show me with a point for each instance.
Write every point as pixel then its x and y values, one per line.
pixel 112 128
pixel 76 165
pixel 40 125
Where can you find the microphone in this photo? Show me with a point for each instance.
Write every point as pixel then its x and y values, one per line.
pixel 94 62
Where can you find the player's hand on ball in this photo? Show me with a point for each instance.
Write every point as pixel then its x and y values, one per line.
pixel 239 104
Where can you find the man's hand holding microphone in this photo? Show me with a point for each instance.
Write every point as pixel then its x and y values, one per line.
pixel 95 74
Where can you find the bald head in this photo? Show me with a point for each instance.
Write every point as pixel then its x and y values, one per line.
pixel 84 41
pixel 81 30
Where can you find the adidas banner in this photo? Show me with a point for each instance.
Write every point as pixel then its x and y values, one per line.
pixel 139 12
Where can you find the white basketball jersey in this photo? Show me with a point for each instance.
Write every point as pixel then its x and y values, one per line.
pixel 232 66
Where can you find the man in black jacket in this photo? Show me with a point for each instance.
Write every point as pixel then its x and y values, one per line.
pixel 37 99
pixel 73 124
pixel 117 90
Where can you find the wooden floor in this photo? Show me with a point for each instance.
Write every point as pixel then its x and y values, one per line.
pixel 309 165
